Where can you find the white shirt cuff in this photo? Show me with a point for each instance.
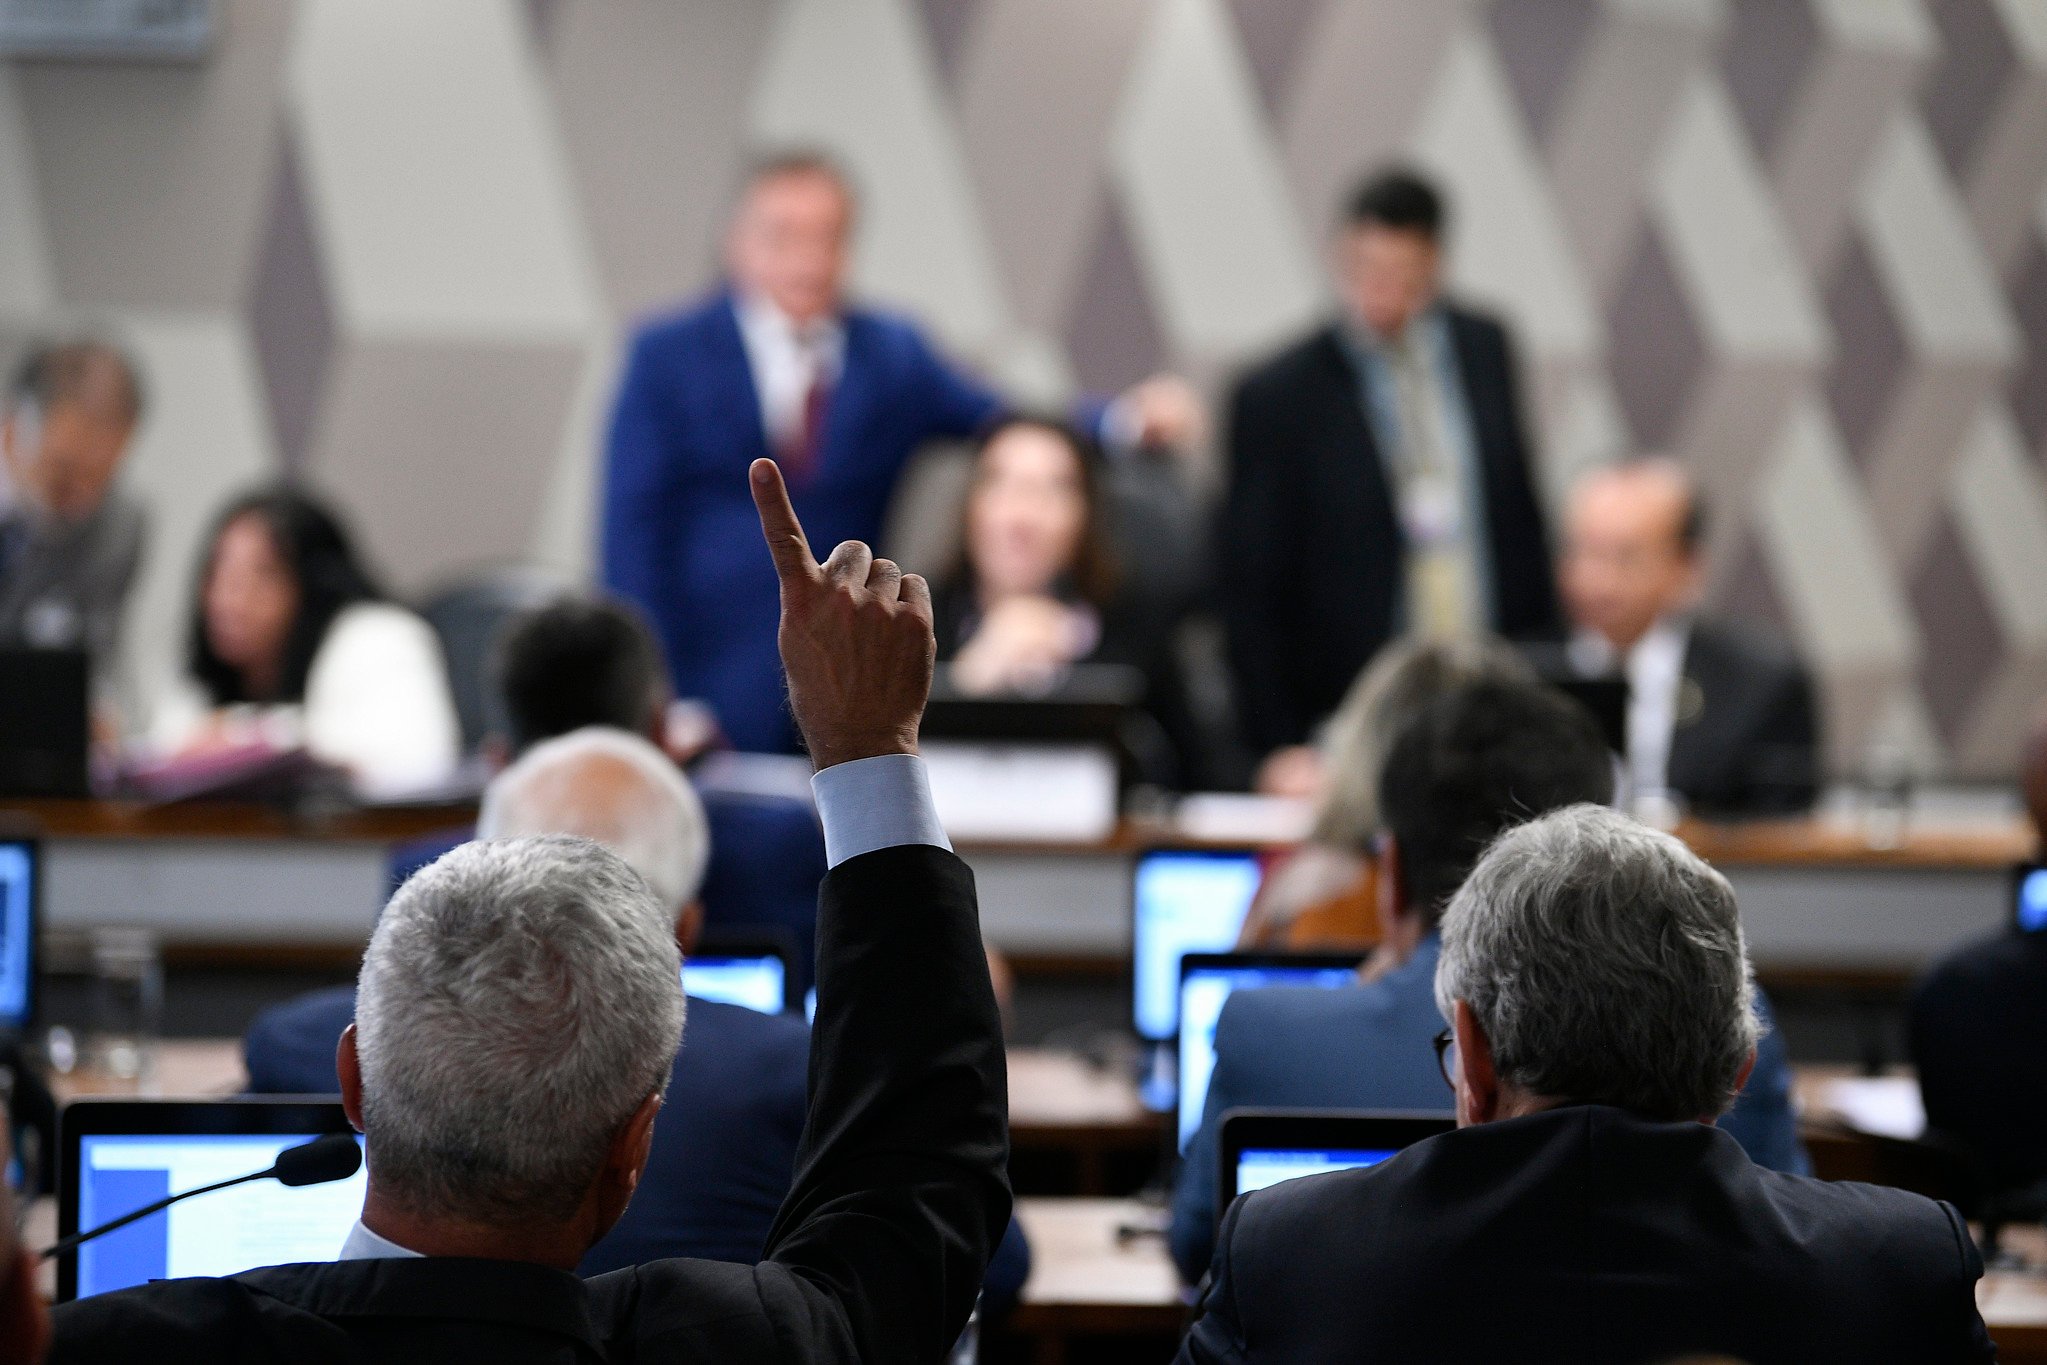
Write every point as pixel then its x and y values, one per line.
pixel 874 803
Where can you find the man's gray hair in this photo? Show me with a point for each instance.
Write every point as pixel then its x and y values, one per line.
pixel 519 1000
pixel 616 788
pixel 1605 963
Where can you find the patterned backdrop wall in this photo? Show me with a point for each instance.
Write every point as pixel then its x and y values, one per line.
pixel 392 246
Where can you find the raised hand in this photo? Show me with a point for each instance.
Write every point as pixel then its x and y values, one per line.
pixel 856 637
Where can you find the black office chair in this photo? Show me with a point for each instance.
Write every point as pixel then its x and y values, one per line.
pixel 467 613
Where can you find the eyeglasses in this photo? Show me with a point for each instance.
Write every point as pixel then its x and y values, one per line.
pixel 1444 1041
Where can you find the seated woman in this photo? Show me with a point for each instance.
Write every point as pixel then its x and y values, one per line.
pixel 1036 587
pixel 291 646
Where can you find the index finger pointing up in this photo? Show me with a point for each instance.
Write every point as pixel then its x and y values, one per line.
pixel 778 522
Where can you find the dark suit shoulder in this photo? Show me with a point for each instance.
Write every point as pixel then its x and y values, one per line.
pixel 1316 358
pixel 180 1319
pixel 735 1029
pixel 711 1309
pixel 1749 646
pixel 684 326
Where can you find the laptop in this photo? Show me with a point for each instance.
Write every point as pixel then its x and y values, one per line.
pixel 1261 1147
pixel 114 1156
pixel 753 973
pixel 45 728
pixel 20 914
pixel 1183 901
pixel 1208 979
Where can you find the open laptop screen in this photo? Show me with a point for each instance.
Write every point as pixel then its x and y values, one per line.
pixel 759 981
pixel 1262 1166
pixel 18 891
pixel 1183 901
pixel 120 1155
pixel 1207 980
pixel 1263 1147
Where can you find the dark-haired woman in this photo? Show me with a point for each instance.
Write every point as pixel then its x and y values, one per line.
pixel 292 645
pixel 1036 588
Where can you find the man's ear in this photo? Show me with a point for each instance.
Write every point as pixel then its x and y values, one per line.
pixel 623 1165
pixel 1740 1084
pixel 689 927
pixel 349 1067
pixel 1478 1084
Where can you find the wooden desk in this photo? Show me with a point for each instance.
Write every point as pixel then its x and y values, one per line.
pixel 1071 1122
pixel 233 880
pixel 1817 903
pixel 239 881
pixel 1086 1280
pixel 194 1068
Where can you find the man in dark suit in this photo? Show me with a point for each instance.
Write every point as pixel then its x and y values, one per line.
pixel 1380 481
pixel 1476 760
pixel 1585 1209
pixel 70 539
pixel 509 1113
pixel 1720 713
pixel 1977 1018
pixel 778 363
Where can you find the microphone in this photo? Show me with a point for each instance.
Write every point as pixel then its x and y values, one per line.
pixel 336 1156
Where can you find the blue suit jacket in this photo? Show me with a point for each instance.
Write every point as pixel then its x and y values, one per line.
pixel 767 857
pixel 724 1146
pixel 1369 1048
pixel 680 535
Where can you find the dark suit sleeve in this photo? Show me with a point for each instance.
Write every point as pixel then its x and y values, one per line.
pixel 1965 1327
pixel 1781 766
pixel 901 1189
pixel 1217 1337
pixel 956 403
pixel 1257 549
pixel 642 488
pixel 1526 572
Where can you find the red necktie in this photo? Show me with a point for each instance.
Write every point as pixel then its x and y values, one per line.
pixel 806 444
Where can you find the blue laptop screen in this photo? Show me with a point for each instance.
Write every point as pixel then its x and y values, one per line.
pixel 17 933
pixel 757 982
pixel 1202 993
pixel 1186 902
pixel 223 1233
pixel 1259 1167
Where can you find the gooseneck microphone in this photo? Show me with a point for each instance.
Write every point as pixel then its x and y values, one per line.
pixel 336 1156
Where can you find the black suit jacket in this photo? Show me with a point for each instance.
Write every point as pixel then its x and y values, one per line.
pixel 1747 735
pixel 877 1254
pixel 1313 566
pixel 1976 1024
pixel 1588 1235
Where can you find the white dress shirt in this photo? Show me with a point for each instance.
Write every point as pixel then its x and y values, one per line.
pixel 785 362
pixel 1654 669
pixel 864 806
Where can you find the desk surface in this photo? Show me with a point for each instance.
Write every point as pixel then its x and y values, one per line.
pixel 1051 1094
pixel 1992 842
pixel 229 820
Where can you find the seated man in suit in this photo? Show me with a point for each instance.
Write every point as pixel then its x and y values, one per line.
pixel 1380 483
pixel 778 361
pixel 1585 1209
pixel 1975 1027
pixel 1720 714
pixel 520 1011
pixel 1478 759
pixel 69 538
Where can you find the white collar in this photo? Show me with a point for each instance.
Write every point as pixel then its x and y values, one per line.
pixel 364 1245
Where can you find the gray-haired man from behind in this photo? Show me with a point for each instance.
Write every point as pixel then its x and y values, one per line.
pixel 520 1005
pixel 1598 989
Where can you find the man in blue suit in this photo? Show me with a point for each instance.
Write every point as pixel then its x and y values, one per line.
pixel 777 363
pixel 724 1148
pixel 1473 763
